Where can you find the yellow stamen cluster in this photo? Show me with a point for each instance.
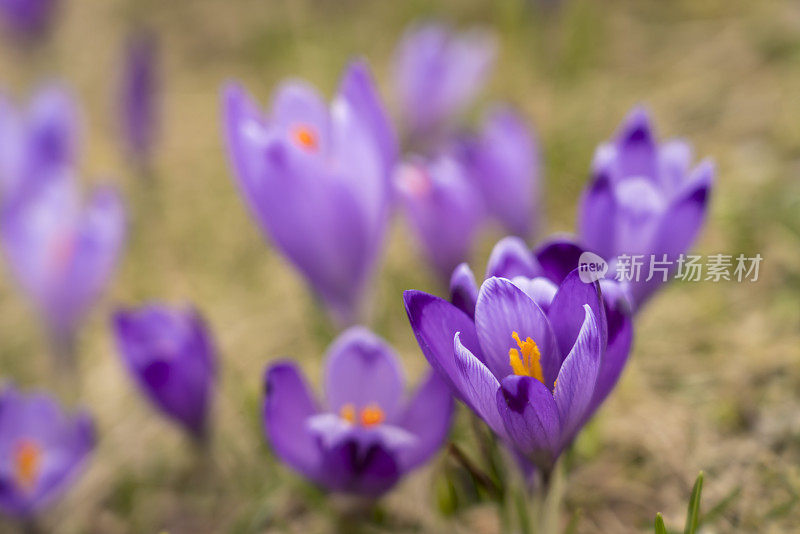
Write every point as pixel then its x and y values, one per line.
pixel 529 364
pixel 27 464
pixel 370 415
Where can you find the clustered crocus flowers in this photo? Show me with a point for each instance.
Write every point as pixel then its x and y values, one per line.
pixel 365 435
pixel 532 347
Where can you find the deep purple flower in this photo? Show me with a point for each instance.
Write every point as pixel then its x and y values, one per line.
pixel 443 208
pixel 62 250
pixel 27 18
pixel 539 273
pixel 170 354
pixel 503 159
pixel 530 364
pixel 42 449
pixel 317 179
pixel 365 436
pixel 38 143
pixel 438 73
pixel 644 198
pixel 139 97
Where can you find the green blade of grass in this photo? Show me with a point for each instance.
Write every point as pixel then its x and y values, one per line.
pixel 693 514
pixel 660 527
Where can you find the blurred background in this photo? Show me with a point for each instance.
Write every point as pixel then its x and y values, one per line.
pixel 714 378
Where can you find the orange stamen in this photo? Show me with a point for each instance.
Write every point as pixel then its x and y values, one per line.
pixel 372 415
pixel 27 463
pixel 529 363
pixel 306 137
pixel 348 413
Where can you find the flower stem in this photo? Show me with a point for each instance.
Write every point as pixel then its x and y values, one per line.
pixel 547 501
pixel 65 364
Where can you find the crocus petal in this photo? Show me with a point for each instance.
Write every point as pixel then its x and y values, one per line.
pixel 443 209
pixel 427 417
pixel 363 470
pixel 577 378
pixel 463 289
pixel 567 315
pixel 434 322
pixel 558 257
pixel 55 126
pixel 637 146
pixel 618 310
pixel 674 160
pixel 531 419
pixel 288 403
pixel 511 257
pixel 358 87
pixel 506 167
pixel 598 207
pixel 363 370
pixel 503 309
pixel 679 228
pixel 540 289
pixel 138 92
pixel 479 386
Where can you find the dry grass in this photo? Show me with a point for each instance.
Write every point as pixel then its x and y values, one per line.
pixel 714 379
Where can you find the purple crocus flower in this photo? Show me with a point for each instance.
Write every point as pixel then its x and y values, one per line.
pixel 42 449
pixel 171 356
pixel 530 364
pixel 27 18
pixel 644 198
pixel 539 273
pixel 365 436
pixel 63 251
pixel 504 162
pixel 37 143
pixel 317 179
pixel 438 73
pixel 443 208
pixel 138 97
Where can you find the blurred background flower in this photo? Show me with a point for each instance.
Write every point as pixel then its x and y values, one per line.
pixel 170 355
pixel 42 449
pixel 365 437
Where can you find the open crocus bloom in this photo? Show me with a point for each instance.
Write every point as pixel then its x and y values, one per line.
pixel 643 199
pixel 439 72
pixel 61 250
pixel 41 450
pixel 539 273
pixel 39 143
pixel 317 179
pixel 364 437
pixel 443 209
pixel 170 354
pixel 532 363
pixel 503 160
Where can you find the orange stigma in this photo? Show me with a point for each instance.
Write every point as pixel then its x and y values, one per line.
pixel 27 463
pixel 305 136
pixel 529 363
pixel 370 415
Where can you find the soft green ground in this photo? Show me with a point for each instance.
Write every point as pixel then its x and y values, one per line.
pixel 714 382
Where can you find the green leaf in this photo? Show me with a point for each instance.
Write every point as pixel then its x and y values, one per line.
pixel 660 527
pixel 693 514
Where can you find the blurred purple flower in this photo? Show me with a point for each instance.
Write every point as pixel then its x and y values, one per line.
pixel 438 73
pixel 39 143
pixel 42 449
pixel 62 251
pixel 170 354
pixel 27 18
pixel 644 198
pixel 443 208
pixel 317 179
pixel 366 436
pixel 530 364
pixel 504 162
pixel 139 97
